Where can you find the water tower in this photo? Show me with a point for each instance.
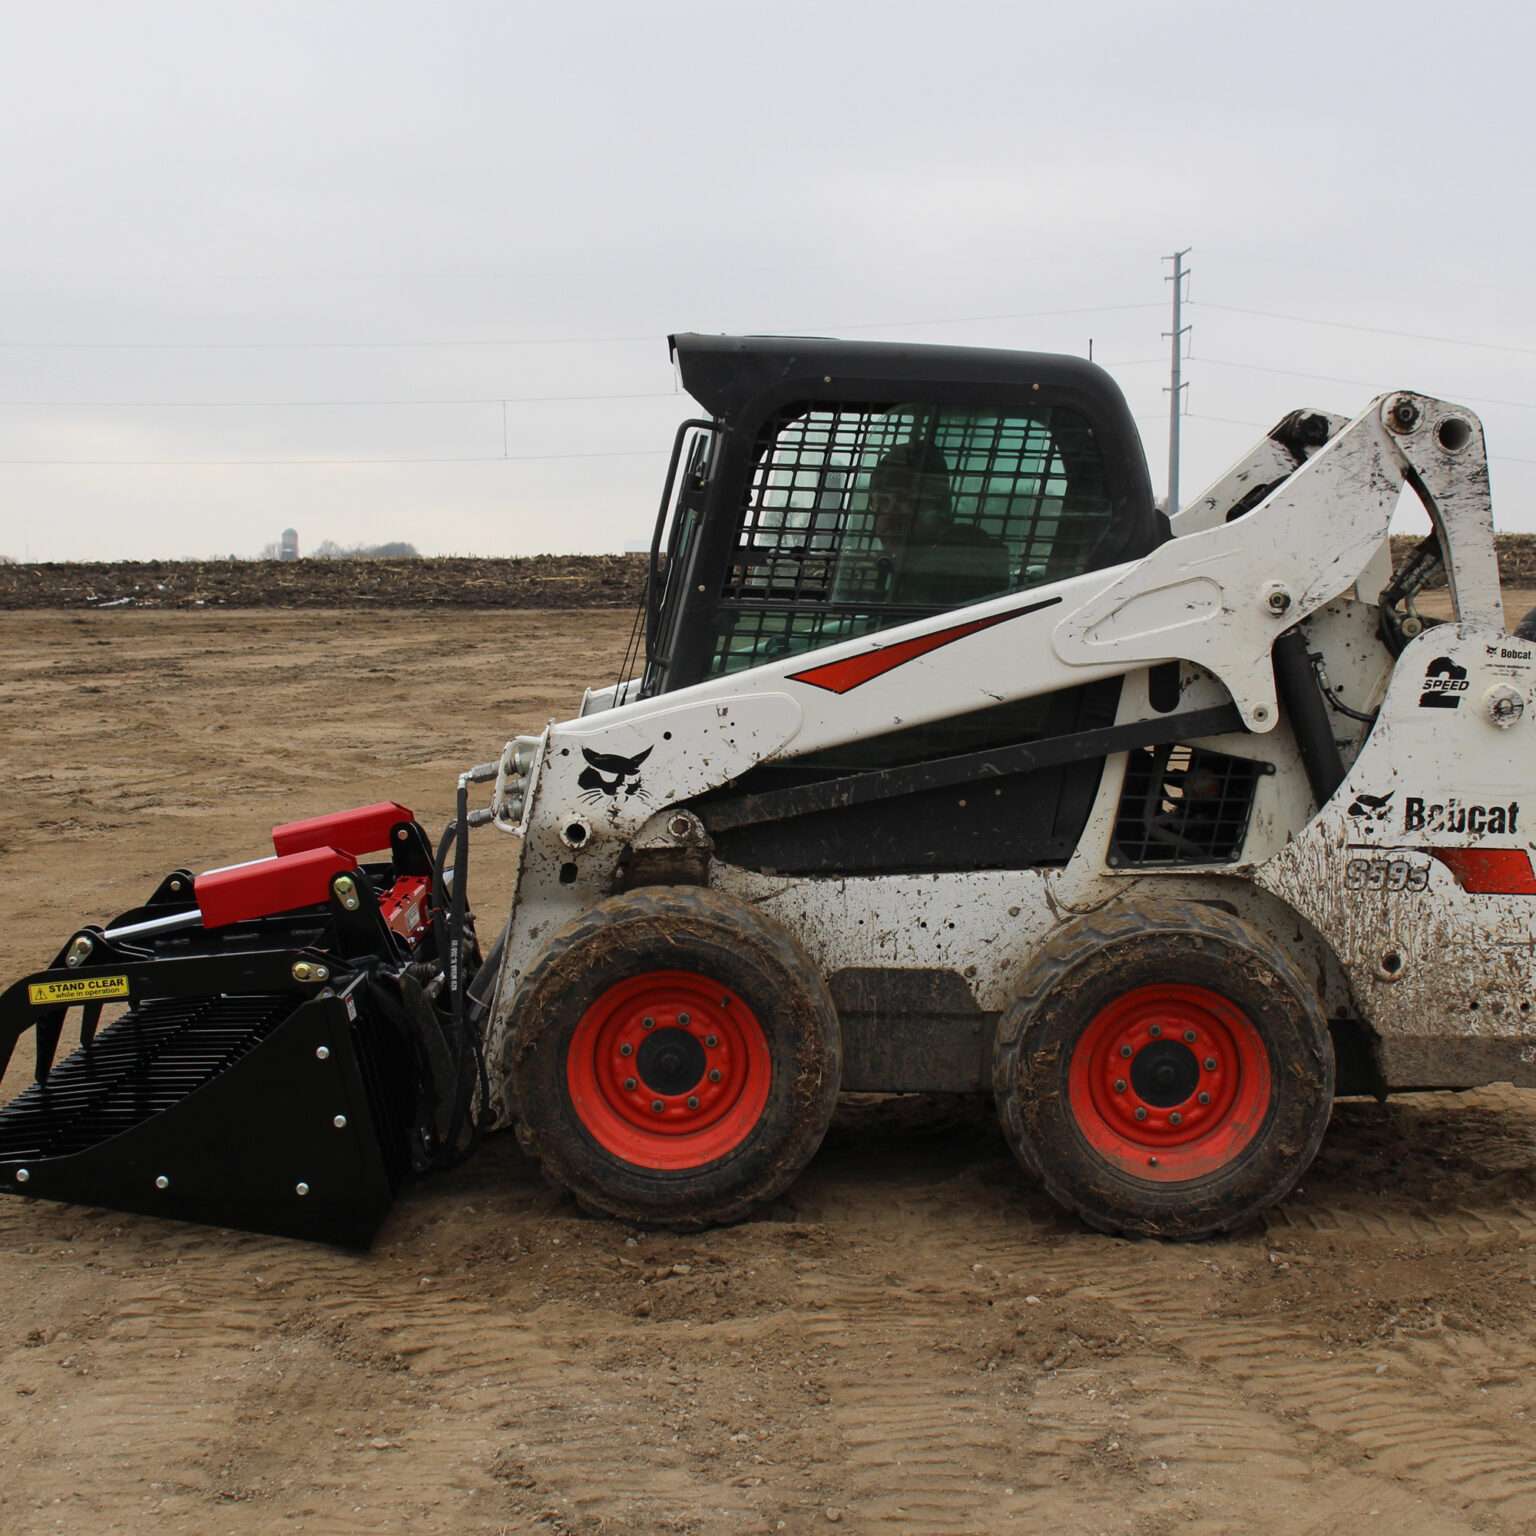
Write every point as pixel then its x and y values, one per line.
pixel 289 548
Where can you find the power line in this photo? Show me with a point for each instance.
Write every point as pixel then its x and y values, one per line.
pixel 1036 314
pixel 524 341
pixel 489 458
pixel 1333 378
pixel 1370 330
pixel 265 405
pixel 1264 426
pixel 469 400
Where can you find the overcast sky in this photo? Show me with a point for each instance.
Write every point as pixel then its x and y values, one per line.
pixel 343 233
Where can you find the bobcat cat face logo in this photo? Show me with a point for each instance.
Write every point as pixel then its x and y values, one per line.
pixel 608 776
pixel 1372 807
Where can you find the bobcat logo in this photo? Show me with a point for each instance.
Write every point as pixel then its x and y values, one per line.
pixel 607 776
pixel 1372 807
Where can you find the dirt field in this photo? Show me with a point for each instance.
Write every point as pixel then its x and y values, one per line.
pixel 913 1340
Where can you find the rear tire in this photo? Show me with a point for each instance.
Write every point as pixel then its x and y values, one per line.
pixel 1166 1072
pixel 674 1058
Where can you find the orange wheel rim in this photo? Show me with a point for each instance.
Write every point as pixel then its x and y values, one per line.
pixel 669 1070
pixel 1170 1083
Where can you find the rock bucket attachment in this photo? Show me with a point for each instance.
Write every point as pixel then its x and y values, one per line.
pixel 262 1111
pixel 272 1059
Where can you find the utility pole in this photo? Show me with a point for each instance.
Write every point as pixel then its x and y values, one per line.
pixel 1176 386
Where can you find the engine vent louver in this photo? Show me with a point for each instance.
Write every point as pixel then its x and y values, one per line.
pixel 1183 805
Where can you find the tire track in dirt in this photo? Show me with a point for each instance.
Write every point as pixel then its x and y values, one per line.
pixel 500 1364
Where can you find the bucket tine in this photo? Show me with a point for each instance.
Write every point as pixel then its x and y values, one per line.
pixel 90 1017
pixel 49 1027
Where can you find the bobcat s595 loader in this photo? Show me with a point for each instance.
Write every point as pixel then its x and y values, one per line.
pixel 948 763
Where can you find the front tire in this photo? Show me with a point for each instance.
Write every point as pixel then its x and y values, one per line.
pixel 674 1057
pixel 1166 1071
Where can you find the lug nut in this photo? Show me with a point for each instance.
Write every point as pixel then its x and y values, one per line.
pixel 1176 1118
pixel 630 1085
pixel 339 1121
pixel 1204 1097
pixel 161 1182
pixel 657 1106
pixel 693 1101
pixel 714 1074
pixel 647 1023
pixel 1119 1085
pixel 682 1019
pixel 1210 1063
pixel 711 1041
pixel 1156 1031
pixel 1189 1035
pixel 1151 1162
pixel 626 1049
pixel 1141 1114
pixel 1125 1051
pixel 301 1188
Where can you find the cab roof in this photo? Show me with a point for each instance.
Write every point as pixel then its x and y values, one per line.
pixel 726 374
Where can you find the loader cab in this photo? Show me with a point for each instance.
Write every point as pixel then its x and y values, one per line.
pixel 839 488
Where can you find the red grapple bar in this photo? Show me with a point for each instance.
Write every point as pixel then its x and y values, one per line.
pixel 270 885
pixel 365 830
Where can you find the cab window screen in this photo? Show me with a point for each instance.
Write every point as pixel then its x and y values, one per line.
pixel 860 517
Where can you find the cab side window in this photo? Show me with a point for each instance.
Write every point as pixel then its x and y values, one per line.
pixel 860 517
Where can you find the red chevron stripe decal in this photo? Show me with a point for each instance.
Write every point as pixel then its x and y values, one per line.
pixel 846 675
pixel 1490 871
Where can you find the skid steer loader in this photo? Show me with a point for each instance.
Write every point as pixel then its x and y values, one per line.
pixel 944 762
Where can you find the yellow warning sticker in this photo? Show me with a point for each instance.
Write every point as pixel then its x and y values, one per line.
pixel 87 989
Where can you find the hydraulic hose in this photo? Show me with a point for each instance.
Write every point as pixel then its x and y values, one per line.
pixel 471 1078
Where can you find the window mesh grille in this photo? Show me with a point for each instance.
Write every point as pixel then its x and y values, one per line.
pixel 1182 805
pixel 994 504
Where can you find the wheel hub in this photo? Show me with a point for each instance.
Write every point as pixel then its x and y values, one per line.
pixel 1164 1074
pixel 670 1061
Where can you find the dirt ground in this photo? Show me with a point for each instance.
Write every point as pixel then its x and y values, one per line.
pixel 912 1340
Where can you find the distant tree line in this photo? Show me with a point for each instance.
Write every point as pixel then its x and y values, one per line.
pixel 330 550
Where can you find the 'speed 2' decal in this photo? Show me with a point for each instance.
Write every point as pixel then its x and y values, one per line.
pixel 846 675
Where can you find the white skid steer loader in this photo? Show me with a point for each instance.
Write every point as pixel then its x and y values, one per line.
pixel 948 763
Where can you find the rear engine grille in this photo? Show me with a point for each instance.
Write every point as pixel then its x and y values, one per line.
pixel 1183 805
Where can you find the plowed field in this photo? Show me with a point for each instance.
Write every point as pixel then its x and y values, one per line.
pixel 912 1340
